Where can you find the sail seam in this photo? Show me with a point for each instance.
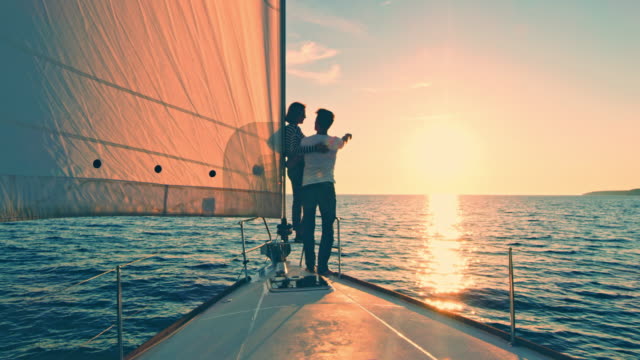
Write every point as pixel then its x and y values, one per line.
pixel 122 146
pixel 81 73
pixel 145 183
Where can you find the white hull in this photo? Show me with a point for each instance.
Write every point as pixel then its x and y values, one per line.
pixel 348 321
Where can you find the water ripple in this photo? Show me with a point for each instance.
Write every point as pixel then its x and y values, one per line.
pixel 576 269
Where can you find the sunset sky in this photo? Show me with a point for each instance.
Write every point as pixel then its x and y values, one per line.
pixel 473 97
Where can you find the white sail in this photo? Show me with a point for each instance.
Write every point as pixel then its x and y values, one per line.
pixel 139 107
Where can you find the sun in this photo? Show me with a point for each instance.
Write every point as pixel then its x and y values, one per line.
pixel 447 155
pixel 446 150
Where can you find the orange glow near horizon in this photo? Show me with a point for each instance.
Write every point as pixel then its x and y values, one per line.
pixel 448 155
pixel 441 257
pixel 513 109
pixel 446 151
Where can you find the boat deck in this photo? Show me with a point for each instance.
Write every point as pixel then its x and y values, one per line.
pixel 347 321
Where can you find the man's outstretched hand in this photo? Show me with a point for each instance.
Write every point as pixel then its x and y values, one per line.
pixel 347 137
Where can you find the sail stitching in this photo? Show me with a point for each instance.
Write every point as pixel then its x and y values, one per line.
pixel 263 192
pixel 122 146
pixel 72 69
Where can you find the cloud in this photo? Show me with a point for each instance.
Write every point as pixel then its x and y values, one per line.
pixel 326 77
pixel 373 90
pixel 329 21
pixel 309 52
pixel 424 117
pixel 381 90
pixel 421 85
pixel 386 3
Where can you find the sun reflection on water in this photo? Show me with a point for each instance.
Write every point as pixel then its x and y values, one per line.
pixel 441 268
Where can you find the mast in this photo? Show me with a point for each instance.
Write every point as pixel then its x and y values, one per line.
pixel 283 104
pixel 284 229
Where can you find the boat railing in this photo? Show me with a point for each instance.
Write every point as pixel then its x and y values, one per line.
pixel 512 310
pixel 244 242
pixel 245 251
pixel 118 324
pixel 512 306
pixel 119 298
pixel 119 304
pixel 337 247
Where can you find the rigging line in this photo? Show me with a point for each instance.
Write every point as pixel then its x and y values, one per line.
pixel 142 258
pixel 394 330
pixel 93 277
pixel 111 327
pixel 69 68
pixel 122 146
pixel 97 336
pixel 58 292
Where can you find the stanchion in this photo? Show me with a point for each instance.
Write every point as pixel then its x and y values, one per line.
pixel 512 300
pixel 119 304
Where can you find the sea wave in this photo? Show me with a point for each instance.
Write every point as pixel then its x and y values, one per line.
pixel 575 258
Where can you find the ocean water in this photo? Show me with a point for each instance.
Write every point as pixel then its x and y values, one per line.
pixel 576 259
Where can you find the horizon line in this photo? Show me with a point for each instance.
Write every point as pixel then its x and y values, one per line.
pixel 427 194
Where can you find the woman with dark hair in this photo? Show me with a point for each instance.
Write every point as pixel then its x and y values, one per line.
pixel 295 160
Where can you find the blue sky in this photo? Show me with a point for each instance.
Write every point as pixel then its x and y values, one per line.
pixel 490 97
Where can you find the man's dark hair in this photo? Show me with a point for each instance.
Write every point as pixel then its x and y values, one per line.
pixel 324 119
pixel 293 113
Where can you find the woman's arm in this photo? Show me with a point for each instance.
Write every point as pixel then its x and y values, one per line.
pixel 293 147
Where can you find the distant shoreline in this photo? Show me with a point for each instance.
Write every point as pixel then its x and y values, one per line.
pixel 605 192
pixel 615 192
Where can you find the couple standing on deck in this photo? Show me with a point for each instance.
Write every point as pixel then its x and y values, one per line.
pixel 310 164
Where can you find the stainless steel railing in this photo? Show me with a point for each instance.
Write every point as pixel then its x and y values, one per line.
pixel 512 309
pixel 339 247
pixel 512 305
pixel 119 296
pixel 119 324
pixel 120 319
pixel 244 242
pixel 246 251
pixel 119 302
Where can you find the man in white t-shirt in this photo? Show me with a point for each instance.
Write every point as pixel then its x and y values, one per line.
pixel 318 191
